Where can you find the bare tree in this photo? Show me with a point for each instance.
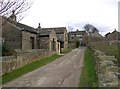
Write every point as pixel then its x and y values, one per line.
pixel 18 6
pixel 70 28
pixel 90 28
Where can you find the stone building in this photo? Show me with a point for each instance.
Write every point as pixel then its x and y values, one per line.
pixel 114 36
pixel 47 39
pixel 17 35
pixel 20 36
pixel 62 37
pixel 76 38
pixel 29 37
pixel 9 34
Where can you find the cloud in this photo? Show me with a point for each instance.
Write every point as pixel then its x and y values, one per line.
pixel 103 29
pixel 76 13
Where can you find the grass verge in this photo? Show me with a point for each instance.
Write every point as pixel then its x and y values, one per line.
pixel 88 76
pixel 27 68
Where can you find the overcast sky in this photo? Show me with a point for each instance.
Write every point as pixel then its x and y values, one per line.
pixel 103 14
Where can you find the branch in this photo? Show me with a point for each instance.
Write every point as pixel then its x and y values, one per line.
pixel 19 6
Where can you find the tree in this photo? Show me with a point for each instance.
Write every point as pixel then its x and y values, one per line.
pixel 90 28
pixel 7 50
pixel 91 34
pixel 18 6
pixel 70 28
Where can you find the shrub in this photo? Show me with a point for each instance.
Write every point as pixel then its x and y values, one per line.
pixel 7 50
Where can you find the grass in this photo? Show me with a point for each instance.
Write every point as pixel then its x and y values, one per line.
pixel 27 68
pixel 88 78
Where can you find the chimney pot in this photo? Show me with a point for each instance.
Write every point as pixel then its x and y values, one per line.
pixel 39 26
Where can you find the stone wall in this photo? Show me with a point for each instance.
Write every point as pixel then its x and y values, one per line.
pixel 44 42
pixel 26 41
pixel 53 37
pixel 10 63
pixel 63 37
pixel 12 35
pixel 48 42
pixel 106 69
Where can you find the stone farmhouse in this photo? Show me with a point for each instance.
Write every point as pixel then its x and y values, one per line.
pixel 76 38
pixel 114 36
pixel 24 37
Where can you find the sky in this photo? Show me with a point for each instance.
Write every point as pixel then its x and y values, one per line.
pixel 103 14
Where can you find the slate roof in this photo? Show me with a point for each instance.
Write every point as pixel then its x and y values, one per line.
pixel 8 22
pixel 58 30
pixel 117 33
pixel 21 26
pixel 26 28
pixel 107 34
pixel 44 32
pixel 77 32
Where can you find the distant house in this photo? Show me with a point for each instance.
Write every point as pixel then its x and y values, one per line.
pixel 76 37
pixel 114 36
pixel 93 33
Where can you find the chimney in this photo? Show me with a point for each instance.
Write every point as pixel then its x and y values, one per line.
pixel 39 26
pixel 38 29
pixel 13 16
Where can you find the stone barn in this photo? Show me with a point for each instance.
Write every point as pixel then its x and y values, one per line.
pixel 47 39
pixel 17 35
pixel 62 36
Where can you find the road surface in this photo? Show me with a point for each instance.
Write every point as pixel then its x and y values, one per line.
pixel 63 72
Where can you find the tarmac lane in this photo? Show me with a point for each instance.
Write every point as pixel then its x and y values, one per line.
pixel 63 72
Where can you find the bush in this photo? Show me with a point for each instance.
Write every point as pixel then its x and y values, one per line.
pixel 111 49
pixel 7 50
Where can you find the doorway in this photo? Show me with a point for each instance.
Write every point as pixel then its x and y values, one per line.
pixel 32 42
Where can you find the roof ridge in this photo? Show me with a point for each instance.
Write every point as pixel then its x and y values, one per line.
pixel 53 27
pixel 25 25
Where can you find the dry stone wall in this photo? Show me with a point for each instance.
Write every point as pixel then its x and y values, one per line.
pixel 107 69
pixel 10 63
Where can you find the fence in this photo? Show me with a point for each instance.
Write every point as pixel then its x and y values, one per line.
pixel 10 63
